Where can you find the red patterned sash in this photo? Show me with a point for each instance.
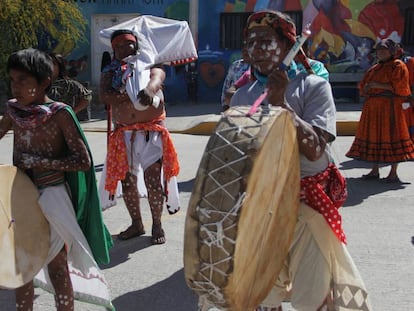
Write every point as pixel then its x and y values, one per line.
pixel 117 160
pixel 326 192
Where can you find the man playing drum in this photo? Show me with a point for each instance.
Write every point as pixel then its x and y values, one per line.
pixel 319 272
pixel 50 148
pixel 140 137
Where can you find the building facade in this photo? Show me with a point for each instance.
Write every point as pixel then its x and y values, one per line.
pixel 343 34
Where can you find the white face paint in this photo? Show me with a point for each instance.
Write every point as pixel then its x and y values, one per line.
pixel 264 48
pixel 27 137
pixel 32 92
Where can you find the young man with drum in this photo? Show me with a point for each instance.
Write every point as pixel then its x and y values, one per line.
pixel 140 136
pixel 49 146
pixel 318 269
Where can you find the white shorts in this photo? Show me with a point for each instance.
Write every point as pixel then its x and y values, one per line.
pixel 142 149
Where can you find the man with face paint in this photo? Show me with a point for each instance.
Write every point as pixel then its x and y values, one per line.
pixel 140 138
pixel 318 269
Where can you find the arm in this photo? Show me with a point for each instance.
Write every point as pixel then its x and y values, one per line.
pixel 84 96
pixel 157 77
pixel 82 104
pixel 312 140
pixel 5 125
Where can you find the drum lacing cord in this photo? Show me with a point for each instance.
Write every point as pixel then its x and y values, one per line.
pixel 216 238
pixel 10 219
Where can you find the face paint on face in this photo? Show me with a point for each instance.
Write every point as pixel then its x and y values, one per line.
pixel 32 92
pixel 265 49
pixel 25 88
pixel 123 49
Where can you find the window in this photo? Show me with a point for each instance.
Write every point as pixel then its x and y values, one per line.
pixel 232 25
pixel 408 34
pixel 297 17
pixel 231 29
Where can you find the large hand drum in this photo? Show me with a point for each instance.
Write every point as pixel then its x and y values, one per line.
pixel 24 231
pixel 242 211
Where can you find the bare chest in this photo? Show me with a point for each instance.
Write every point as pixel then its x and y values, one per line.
pixel 127 114
pixel 46 140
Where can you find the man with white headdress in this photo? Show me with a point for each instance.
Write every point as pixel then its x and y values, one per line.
pixel 140 137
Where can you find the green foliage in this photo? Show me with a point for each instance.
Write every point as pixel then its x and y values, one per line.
pixel 48 25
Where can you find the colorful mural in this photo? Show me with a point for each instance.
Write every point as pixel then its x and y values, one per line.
pixel 343 34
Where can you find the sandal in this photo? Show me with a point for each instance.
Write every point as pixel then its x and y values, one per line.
pixel 158 236
pixel 134 230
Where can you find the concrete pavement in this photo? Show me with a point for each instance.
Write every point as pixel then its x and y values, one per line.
pixel 378 220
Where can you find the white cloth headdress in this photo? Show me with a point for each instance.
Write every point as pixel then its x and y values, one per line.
pixel 161 41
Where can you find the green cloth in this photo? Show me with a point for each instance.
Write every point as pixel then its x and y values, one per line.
pixel 87 206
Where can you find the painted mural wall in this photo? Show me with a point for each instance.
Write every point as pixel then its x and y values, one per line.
pixel 343 34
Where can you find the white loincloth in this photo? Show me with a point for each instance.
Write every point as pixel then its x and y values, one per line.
pixel 318 261
pixel 173 197
pixel 89 284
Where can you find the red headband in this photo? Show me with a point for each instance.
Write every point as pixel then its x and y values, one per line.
pixel 123 37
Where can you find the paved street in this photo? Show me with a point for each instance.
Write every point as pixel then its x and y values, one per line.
pixel 378 220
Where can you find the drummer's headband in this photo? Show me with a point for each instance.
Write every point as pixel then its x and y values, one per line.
pixel 123 37
pixel 281 23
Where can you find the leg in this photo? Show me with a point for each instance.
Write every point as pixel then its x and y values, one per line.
pixel 393 176
pixel 25 297
pixel 373 174
pixel 131 198
pixel 152 177
pixel 59 276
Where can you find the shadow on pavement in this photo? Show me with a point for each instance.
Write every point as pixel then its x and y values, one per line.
pixel 186 186
pixel 7 300
pixel 352 164
pixel 119 253
pixel 170 294
pixel 359 190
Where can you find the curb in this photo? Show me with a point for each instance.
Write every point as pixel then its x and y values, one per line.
pixel 346 128
pixel 343 128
